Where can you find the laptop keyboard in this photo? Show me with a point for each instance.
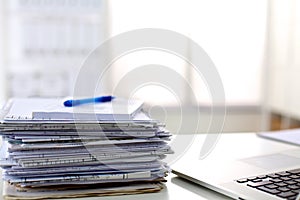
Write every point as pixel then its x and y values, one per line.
pixel 285 184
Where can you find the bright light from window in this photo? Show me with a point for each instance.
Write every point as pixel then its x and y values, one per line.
pixel 231 32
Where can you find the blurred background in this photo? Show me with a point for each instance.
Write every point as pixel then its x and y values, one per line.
pixel 255 45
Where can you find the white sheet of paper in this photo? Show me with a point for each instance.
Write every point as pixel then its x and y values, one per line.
pixel 53 109
pixel 291 136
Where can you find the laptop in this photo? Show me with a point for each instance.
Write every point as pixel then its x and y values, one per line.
pixel 243 166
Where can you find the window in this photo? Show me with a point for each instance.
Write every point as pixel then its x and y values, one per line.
pixel 231 32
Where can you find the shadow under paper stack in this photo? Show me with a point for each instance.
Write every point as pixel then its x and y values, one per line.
pixel 46 153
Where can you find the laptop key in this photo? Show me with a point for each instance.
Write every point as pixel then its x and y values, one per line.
pixel 272 176
pixel 262 176
pixel 270 191
pixel 293 187
pixel 292 197
pixel 285 178
pixel 256 180
pixel 258 184
pixel 297 180
pixel 272 186
pixel 296 191
pixel 281 184
pixel 294 176
pixel 283 189
pixel 290 182
pixel 283 173
pixel 276 180
pixel 294 171
pixel 243 180
pixel 287 194
pixel 252 178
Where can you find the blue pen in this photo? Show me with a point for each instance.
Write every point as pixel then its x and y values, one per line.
pixel 77 102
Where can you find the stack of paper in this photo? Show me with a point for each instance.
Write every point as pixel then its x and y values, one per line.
pixel 54 157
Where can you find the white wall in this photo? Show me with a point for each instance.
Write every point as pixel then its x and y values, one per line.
pixel 232 33
pixel 45 44
pixel 2 53
pixel 229 31
pixel 283 58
